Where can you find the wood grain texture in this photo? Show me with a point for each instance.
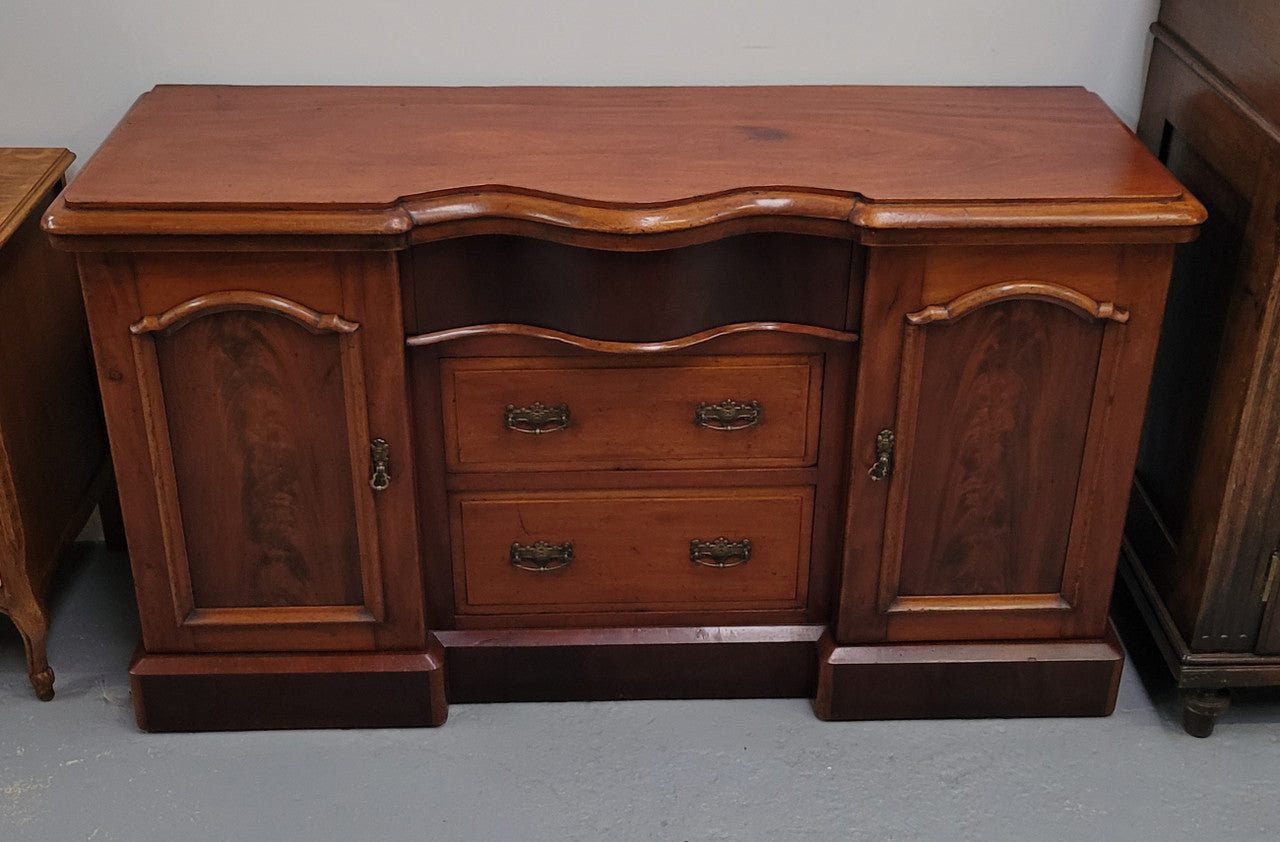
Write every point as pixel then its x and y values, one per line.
pixel 636 247
pixel 268 511
pixel 828 474
pixel 27 175
pixel 53 458
pixel 1099 375
pixel 606 346
pixel 305 509
pixel 1190 669
pixel 1208 518
pixel 231 300
pixel 362 160
pixel 631 549
pixel 633 297
pixel 233 693
pixel 894 285
pixel 1238 39
pixel 631 413
pixel 1024 290
pixel 931 681
pixel 1003 402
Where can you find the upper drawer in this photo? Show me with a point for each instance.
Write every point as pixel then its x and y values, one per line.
pixel 511 414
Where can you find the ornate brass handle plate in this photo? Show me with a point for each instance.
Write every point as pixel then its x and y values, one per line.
pixel 720 553
pixel 882 468
pixel 541 557
pixel 727 415
pixel 537 418
pixel 380 464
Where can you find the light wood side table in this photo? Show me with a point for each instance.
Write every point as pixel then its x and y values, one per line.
pixel 53 447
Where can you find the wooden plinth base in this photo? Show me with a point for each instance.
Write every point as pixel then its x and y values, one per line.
pixel 972 680
pixel 405 689
pixel 252 692
pixel 639 663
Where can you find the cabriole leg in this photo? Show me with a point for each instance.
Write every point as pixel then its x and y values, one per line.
pixel 34 628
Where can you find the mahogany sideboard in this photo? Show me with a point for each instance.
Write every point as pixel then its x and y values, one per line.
pixel 1203 536
pixel 53 446
pixel 435 395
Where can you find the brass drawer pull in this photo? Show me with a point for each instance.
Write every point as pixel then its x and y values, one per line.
pixel 727 415
pixel 541 557
pixel 379 464
pixel 537 418
pixel 720 553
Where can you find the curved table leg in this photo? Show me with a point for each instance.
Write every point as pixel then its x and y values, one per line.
pixel 34 629
pixel 1201 709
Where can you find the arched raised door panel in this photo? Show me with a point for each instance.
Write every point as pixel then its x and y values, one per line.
pixel 248 398
pixel 1001 405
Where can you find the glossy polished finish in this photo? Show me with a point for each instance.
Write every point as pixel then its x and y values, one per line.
pixel 53 449
pixel 664 414
pixel 616 160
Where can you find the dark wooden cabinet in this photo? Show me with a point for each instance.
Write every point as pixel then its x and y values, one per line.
pixel 54 466
pixel 1203 536
pixel 601 393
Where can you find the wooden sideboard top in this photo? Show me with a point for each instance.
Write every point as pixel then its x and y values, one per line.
pixel 323 160
pixel 26 175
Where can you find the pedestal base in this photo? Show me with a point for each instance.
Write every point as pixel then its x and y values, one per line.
pixel 253 692
pixel 970 680
pixel 406 689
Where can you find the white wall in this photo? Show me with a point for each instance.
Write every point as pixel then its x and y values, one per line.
pixel 70 68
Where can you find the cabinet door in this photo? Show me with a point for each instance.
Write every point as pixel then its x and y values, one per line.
pixel 1012 396
pixel 263 412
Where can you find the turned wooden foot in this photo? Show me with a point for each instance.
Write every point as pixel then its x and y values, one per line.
pixel 1201 709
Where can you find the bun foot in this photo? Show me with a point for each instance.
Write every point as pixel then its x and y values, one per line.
pixel 1201 709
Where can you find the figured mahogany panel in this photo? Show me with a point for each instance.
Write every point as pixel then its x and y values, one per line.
pixel 632 412
pixel 632 296
pixel 631 549
pixel 1004 402
pixel 257 424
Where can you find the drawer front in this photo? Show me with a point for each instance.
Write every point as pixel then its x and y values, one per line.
pixel 507 414
pixel 632 550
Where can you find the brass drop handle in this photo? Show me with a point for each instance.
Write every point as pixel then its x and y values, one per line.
pixel 541 557
pixel 537 418
pixel 728 415
pixel 882 468
pixel 380 464
pixel 720 553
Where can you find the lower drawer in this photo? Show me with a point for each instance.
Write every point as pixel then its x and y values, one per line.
pixel 632 550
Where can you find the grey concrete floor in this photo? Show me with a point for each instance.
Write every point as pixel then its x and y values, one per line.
pixel 77 768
